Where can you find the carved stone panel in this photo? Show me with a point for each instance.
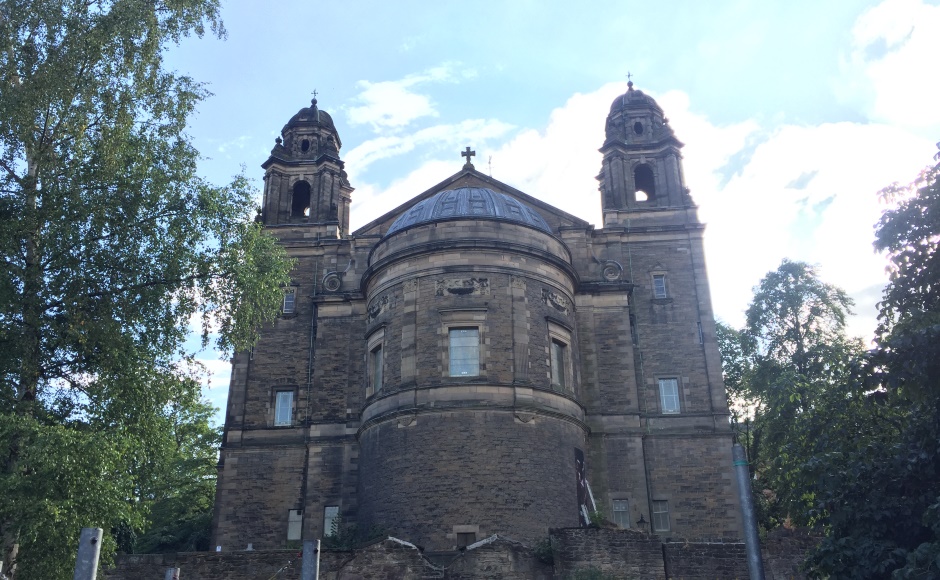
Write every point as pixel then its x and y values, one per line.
pixel 463 286
pixel 556 301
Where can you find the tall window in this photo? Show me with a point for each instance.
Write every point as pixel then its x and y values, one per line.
pixel 283 408
pixel 659 286
pixel 621 513
pixel 660 516
pixel 330 520
pixel 559 367
pixel 287 307
pixel 464 352
pixel 669 395
pixel 300 202
pixel 645 183
pixel 375 368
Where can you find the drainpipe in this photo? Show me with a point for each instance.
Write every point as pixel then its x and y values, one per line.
pixel 755 566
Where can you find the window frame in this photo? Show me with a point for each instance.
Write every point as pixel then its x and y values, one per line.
pixel 278 393
pixel 660 516
pixel 289 306
pixel 376 342
pixel 330 518
pixel 658 293
pixel 561 336
pixel 663 407
pixel 626 512
pixel 462 318
pixel 452 348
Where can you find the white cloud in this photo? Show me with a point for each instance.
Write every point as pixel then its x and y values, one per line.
pixel 468 131
pixel 391 105
pixel 889 72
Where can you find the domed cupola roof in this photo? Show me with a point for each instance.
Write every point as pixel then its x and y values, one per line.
pixel 636 118
pixel 469 203
pixel 310 116
pixel 634 99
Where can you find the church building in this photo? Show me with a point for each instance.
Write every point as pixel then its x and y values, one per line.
pixel 479 362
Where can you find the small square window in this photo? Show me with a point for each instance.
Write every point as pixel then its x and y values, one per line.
pixel 669 395
pixel 283 408
pixel 330 520
pixel 376 364
pixel 559 364
pixel 621 513
pixel 659 286
pixel 464 352
pixel 660 516
pixel 287 307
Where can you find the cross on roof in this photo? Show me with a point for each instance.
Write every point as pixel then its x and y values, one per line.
pixel 468 154
pixel 314 93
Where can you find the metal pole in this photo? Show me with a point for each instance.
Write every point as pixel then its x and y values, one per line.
pixel 310 570
pixel 172 574
pixel 89 548
pixel 755 566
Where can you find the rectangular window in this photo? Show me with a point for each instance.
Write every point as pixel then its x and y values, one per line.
pixel 375 368
pixel 621 513
pixel 464 352
pixel 330 520
pixel 283 408
pixel 659 286
pixel 669 395
pixel 559 367
pixel 288 306
pixel 660 516
pixel 295 520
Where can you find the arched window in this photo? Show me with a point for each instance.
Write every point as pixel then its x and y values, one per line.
pixel 300 206
pixel 644 182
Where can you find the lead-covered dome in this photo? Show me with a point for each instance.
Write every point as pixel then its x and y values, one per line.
pixel 635 99
pixel 469 203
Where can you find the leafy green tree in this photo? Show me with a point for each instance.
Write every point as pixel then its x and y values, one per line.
pixel 110 245
pixel 788 370
pixel 882 498
pixel 182 485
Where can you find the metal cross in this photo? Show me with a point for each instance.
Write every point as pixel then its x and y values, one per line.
pixel 314 93
pixel 468 154
pixel 629 76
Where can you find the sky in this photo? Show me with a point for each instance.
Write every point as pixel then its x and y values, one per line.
pixel 794 114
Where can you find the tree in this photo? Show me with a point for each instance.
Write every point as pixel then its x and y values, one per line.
pixel 883 498
pixel 110 244
pixel 788 372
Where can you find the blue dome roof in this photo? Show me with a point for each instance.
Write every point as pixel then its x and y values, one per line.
pixel 469 203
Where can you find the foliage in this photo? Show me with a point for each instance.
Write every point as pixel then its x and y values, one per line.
pixel 597 519
pixel 110 245
pixel 544 552
pixel 788 372
pixel 883 497
pixel 184 487
pixel 349 536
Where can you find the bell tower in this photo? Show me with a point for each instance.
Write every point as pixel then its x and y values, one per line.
pixel 642 167
pixel 304 179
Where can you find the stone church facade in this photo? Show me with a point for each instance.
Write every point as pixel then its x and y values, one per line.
pixel 478 362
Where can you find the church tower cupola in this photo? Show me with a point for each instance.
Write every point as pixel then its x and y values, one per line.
pixel 642 166
pixel 305 182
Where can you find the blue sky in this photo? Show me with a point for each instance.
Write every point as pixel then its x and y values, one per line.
pixel 794 114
